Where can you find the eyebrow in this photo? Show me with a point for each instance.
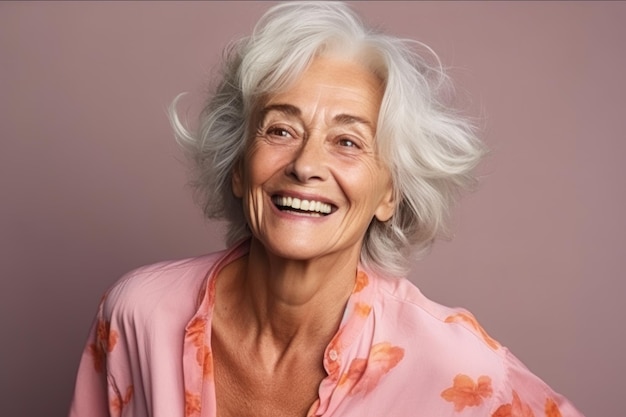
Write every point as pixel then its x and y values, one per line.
pixel 288 109
pixel 291 110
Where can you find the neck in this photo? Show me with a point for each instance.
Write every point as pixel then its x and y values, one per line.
pixel 292 303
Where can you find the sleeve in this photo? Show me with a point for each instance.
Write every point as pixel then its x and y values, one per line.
pixel 95 392
pixel 526 395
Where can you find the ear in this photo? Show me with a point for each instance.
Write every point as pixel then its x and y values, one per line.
pixel 237 179
pixel 387 205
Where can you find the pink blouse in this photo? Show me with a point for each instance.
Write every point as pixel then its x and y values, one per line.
pixel 396 353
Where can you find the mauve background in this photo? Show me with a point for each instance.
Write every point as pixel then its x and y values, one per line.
pixel 93 184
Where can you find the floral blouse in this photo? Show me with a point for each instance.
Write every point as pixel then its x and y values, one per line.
pixel 396 353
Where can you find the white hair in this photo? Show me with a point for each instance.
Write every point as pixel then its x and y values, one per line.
pixel 429 149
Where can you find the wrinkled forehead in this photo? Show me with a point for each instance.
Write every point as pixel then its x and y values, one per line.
pixel 359 61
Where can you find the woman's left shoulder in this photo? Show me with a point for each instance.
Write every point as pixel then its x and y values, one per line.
pixel 470 368
pixel 411 309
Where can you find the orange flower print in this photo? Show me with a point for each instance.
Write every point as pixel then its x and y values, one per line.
pixel 106 339
pixel 361 281
pixel 471 320
pixel 105 336
pixel 363 375
pixel 195 331
pixel 203 356
pixel 552 410
pixel 356 369
pixel 467 393
pixel 516 409
pixel 192 404
pixel 118 403
pixel 98 355
pixel 102 331
pixel 210 296
pixel 362 309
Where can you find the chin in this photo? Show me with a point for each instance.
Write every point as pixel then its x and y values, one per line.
pixel 295 252
pixel 307 249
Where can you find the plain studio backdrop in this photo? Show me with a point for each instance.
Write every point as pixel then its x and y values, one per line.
pixel 93 185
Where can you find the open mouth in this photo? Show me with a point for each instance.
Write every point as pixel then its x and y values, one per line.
pixel 296 205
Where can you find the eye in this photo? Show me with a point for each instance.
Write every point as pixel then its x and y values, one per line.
pixel 279 132
pixel 348 143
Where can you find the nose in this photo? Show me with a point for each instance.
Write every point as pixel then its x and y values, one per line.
pixel 308 162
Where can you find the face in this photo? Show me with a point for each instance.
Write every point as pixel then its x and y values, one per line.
pixel 311 181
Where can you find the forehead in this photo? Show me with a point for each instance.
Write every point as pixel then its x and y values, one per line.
pixel 334 85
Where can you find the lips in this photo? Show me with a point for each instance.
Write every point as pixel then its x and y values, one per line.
pixel 301 205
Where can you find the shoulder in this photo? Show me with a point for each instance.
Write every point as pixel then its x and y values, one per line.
pixel 447 344
pixel 158 285
pixel 466 365
pixel 403 297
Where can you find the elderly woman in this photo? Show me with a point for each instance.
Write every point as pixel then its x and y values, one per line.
pixel 328 150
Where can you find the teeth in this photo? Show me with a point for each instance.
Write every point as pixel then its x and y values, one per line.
pixel 304 205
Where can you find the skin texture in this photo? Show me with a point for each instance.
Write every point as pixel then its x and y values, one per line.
pixel 278 308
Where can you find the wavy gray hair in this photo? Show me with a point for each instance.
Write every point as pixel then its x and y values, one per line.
pixel 429 149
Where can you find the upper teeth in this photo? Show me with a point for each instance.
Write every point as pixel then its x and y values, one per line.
pixel 306 205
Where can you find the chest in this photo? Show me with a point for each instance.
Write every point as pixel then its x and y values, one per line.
pixel 245 388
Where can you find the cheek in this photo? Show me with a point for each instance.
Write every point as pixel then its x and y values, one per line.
pixel 372 179
pixel 372 186
pixel 258 171
pixel 264 162
pixel 359 185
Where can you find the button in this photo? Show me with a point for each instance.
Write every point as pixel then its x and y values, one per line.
pixel 333 355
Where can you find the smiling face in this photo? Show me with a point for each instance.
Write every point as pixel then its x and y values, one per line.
pixel 311 181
